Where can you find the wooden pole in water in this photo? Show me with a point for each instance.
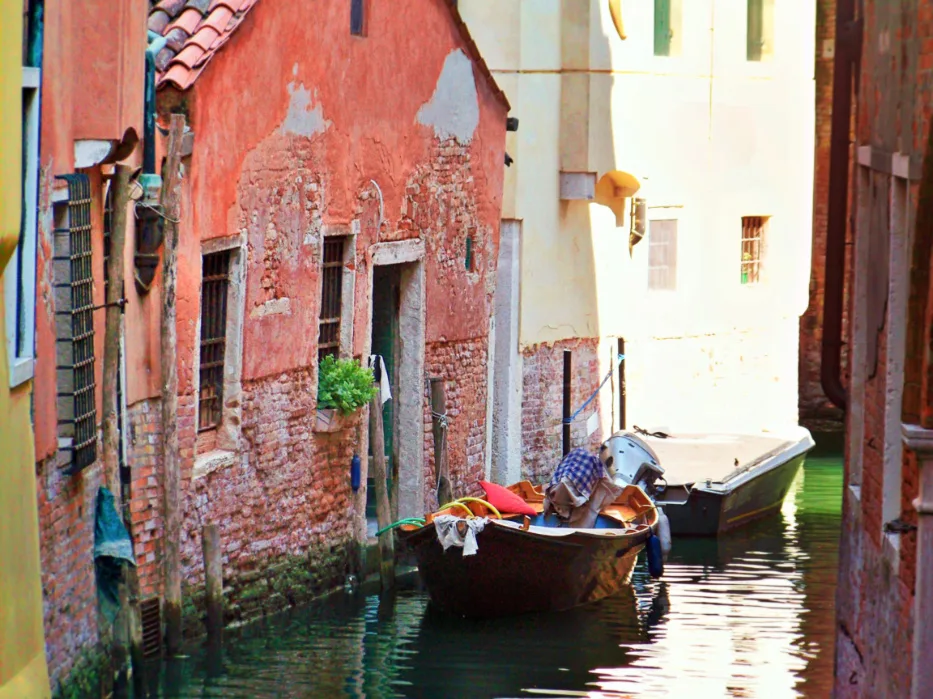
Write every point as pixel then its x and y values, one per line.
pixel 383 510
pixel 622 417
pixel 213 579
pixel 170 461
pixel 439 427
pixel 565 434
pixel 111 435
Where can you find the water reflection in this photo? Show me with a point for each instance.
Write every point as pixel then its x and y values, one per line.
pixel 749 615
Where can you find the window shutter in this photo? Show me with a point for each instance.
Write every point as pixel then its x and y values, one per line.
pixel 755 30
pixel 662 27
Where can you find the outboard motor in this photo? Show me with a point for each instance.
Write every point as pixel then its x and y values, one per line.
pixel 633 462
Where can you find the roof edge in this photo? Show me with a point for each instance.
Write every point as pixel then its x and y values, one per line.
pixel 476 54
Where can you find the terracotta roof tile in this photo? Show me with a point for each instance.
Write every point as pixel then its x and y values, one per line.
pixel 189 20
pixel 175 39
pixel 201 27
pixel 158 21
pixel 189 56
pixel 232 4
pixel 205 37
pixel 170 7
pixel 178 75
pixel 163 58
pixel 219 19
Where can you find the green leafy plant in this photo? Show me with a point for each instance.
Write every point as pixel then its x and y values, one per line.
pixel 344 384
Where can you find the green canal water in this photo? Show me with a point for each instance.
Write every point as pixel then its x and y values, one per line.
pixel 750 615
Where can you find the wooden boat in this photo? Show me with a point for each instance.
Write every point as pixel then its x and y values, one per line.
pixel 709 484
pixel 526 564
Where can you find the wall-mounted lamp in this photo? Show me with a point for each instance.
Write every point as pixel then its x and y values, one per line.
pixel 639 222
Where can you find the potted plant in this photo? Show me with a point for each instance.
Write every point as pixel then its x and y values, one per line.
pixel 343 387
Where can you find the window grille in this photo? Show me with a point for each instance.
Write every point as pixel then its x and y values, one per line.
pixel 662 255
pixel 753 233
pixel 215 281
pixel 74 313
pixel 331 297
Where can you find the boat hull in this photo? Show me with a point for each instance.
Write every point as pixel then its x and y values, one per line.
pixel 709 512
pixel 517 572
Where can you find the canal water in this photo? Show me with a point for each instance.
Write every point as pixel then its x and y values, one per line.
pixel 750 615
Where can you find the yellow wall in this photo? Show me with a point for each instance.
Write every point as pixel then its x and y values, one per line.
pixel 709 135
pixel 23 671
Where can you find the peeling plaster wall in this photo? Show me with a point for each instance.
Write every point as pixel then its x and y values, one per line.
pixel 288 151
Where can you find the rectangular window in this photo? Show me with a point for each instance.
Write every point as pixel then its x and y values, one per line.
pixel 215 280
pixel 357 17
pixel 19 276
pixel 753 240
pixel 662 255
pixel 331 297
pixel 73 275
pixel 667 23
pixel 759 30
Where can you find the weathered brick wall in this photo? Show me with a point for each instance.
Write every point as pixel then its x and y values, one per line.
pixel 542 403
pixel 284 505
pixel 144 458
pixel 815 408
pixel 66 545
pixel 874 618
pixel 463 367
pixel 876 593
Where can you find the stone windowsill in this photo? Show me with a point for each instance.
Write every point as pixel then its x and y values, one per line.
pixel 211 461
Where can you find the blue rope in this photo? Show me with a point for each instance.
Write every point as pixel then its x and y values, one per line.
pixel 568 420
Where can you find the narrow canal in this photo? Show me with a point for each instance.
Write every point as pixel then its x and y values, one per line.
pixel 745 616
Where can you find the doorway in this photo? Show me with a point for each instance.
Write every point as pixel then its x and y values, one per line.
pixel 387 303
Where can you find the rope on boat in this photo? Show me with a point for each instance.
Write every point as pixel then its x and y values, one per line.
pixel 409 520
pixel 593 395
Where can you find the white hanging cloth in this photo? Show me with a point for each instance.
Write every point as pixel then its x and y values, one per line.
pixel 448 534
pixel 378 365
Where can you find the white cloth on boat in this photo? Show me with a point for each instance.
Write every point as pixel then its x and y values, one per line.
pixel 448 534
pixel 378 365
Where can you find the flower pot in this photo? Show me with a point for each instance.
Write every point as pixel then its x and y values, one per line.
pixel 332 420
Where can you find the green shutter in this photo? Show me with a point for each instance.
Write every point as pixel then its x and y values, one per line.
pixel 662 27
pixel 755 30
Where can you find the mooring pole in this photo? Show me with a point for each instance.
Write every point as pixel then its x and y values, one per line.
pixel 213 579
pixel 439 425
pixel 170 460
pixel 383 509
pixel 566 416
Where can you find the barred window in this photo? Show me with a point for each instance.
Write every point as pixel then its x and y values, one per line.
pixel 331 297
pixel 753 236
pixel 215 281
pixel 73 280
pixel 662 255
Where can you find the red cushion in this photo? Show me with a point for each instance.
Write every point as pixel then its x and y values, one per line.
pixel 506 501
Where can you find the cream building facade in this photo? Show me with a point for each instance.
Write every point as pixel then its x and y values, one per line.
pixel 704 116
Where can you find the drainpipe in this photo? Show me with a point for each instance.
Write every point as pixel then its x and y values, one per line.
pixel 848 55
pixel 148 211
pixel 156 43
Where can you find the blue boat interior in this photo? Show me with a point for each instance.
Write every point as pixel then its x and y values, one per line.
pixel 602 522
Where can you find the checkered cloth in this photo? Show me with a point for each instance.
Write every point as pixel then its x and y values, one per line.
pixel 581 469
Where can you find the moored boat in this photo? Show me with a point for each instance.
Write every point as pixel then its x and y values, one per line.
pixel 526 563
pixel 708 484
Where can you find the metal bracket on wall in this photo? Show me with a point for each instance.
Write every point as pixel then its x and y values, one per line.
pixel 898 526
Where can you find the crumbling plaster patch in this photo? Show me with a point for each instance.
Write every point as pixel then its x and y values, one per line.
pixel 305 115
pixel 453 111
